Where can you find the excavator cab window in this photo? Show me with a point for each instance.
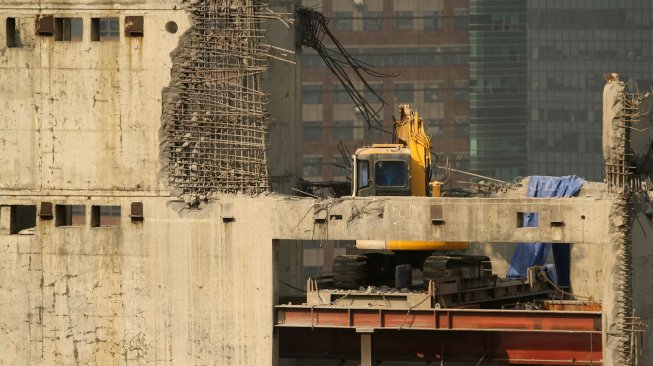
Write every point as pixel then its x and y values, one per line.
pixel 363 173
pixel 390 173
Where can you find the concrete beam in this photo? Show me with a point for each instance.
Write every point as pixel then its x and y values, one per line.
pixel 561 220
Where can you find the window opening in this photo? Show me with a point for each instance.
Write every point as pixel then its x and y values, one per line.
pixel 312 130
pixel 70 215
pixel 344 130
pixel 105 29
pixel 105 216
pixel 18 219
pixel 20 32
pixel 404 20
pixel 312 93
pixel 339 167
pixel 363 173
pixel 68 29
pixel 343 21
pixel 527 219
pixel 11 33
pixel 312 166
pixel 432 20
pixel 404 92
pixel 390 173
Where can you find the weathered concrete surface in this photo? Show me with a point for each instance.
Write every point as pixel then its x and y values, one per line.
pixel 182 287
pixel 471 219
pixel 642 242
pixel 85 115
pixel 283 82
pixel 79 124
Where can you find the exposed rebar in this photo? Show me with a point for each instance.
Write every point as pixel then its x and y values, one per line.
pixel 216 123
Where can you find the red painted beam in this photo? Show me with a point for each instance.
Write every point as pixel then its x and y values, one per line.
pixel 522 348
pixel 466 335
pixel 444 319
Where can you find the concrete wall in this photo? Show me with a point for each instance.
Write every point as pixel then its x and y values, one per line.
pixel 181 287
pixel 79 124
pixel 85 115
pixel 642 242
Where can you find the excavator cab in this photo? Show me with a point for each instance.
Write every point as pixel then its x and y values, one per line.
pixel 382 170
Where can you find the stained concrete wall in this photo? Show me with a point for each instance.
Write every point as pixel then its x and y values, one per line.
pixel 85 115
pixel 642 241
pixel 184 287
pixel 80 123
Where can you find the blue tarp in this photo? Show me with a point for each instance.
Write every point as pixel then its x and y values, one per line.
pixel 535 254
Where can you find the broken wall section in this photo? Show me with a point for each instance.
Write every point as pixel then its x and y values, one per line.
pixel 215 125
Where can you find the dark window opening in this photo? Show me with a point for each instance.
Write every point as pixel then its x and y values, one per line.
pixel 433 93
pixel 105 29
pixel 372 20
pixel 70 215
pixel 312 130
pixel 20 32
pixel 362 173
pixel 404 20
pixel 312 166
pixel 432 20
pixel 343 21
pixel 68 29
pixel 17 219
pixel 312 94
pixel 339 167
pixel 404 92
pixel 11 33
pixel 341 95
pixel 105 216
pixel 134 26
pixel 390 173
pixel 527 219
pixel 344 130
pixel 460 19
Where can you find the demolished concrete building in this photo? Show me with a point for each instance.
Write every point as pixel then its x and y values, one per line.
pixel 143 218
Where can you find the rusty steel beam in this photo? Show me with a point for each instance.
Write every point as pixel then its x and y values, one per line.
pixel 443 319
pixel 466 335
pixel 483 347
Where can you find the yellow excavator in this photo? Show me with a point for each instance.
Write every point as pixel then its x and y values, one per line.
pixel 401 169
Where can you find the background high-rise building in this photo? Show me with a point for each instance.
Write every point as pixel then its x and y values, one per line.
pixel 425 43
pixel 497 106
pixel 571 45
pixel 508 88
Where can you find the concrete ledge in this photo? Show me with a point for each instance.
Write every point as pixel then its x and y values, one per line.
pixel 561 220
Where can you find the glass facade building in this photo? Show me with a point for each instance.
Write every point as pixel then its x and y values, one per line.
pixel 571 45
pixel 497 71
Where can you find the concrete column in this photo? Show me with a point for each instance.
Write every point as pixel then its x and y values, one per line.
pixel 367 352
pixel 5 220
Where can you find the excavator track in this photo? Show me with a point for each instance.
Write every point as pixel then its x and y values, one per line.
pixel 469 271
pixel 354 271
